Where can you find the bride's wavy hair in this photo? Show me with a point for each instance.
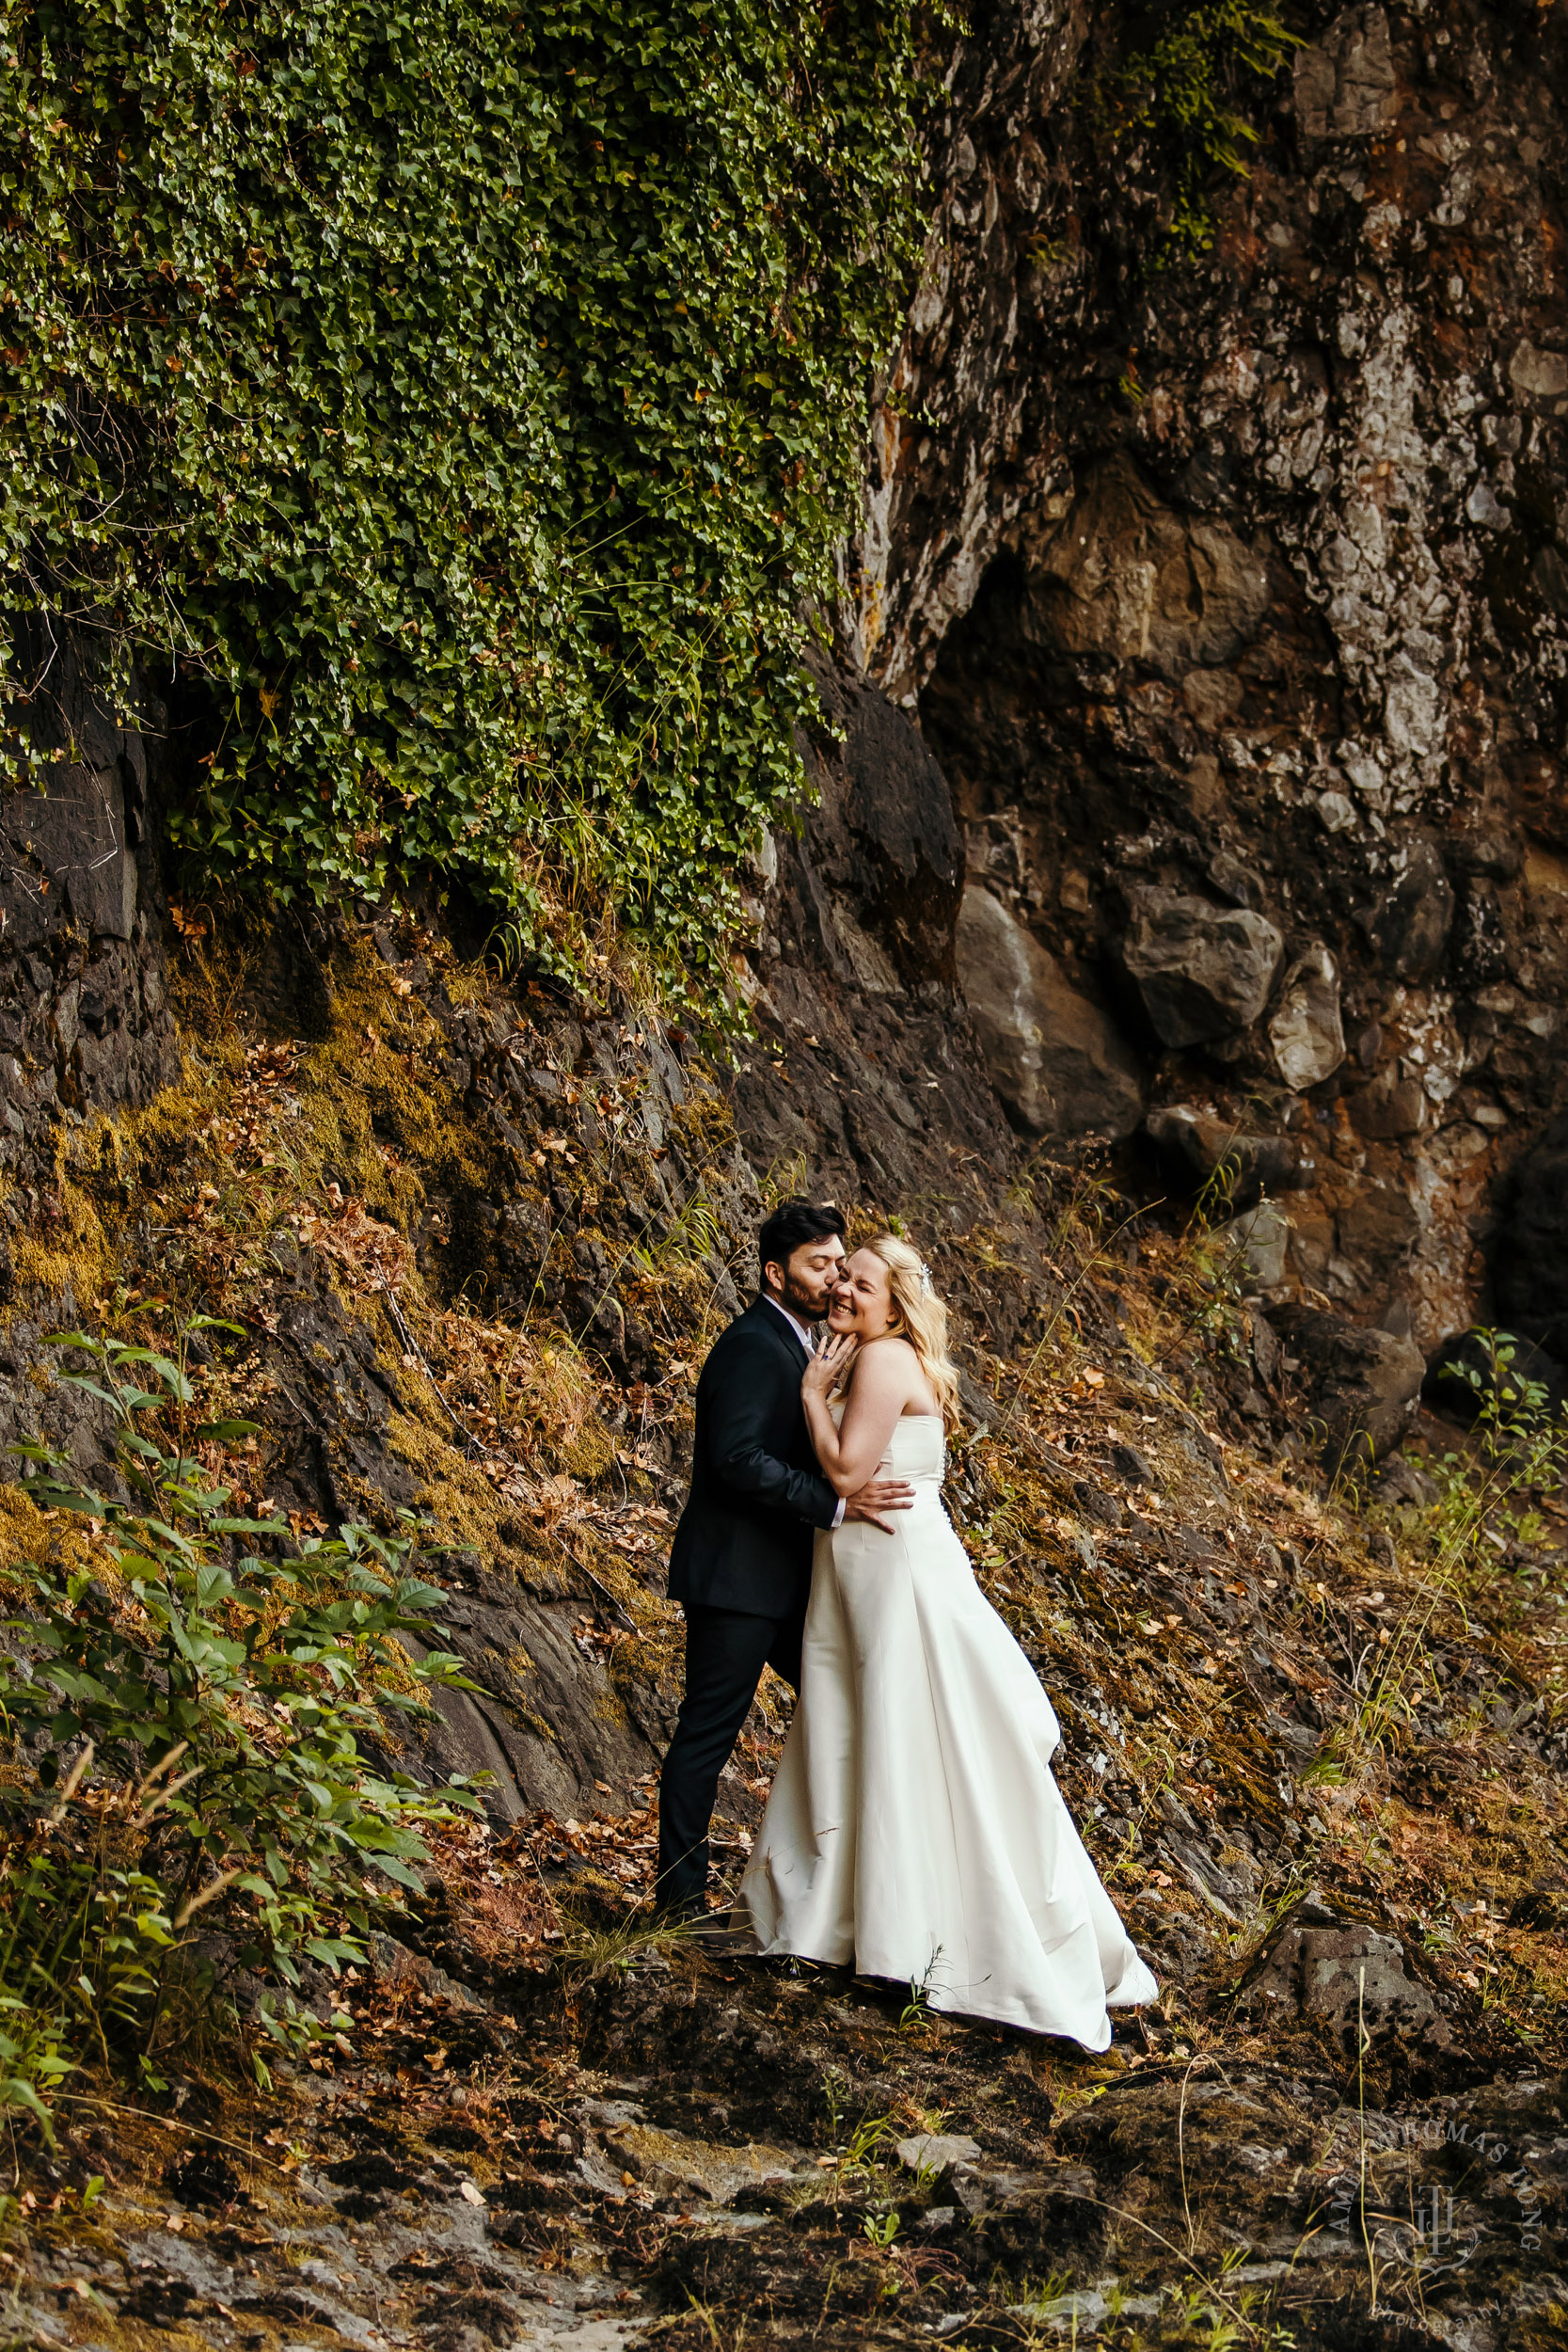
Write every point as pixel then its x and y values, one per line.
pixel 922 1316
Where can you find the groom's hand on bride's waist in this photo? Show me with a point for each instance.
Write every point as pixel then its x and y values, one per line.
pixel 876 1499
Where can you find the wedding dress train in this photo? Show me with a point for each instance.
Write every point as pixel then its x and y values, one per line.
pixel 914 1827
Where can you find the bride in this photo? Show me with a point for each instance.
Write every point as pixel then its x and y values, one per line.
pixel 914 1827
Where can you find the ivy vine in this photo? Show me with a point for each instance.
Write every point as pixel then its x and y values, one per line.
pixel 449 407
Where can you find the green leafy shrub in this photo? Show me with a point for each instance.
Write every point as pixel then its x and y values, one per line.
pixel 222 1710
pixel 449 409
pixel 1518 1447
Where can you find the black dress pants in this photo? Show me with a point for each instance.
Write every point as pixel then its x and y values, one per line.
pixel 725 1653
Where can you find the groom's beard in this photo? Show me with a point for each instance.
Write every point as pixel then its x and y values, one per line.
pixel 802 1304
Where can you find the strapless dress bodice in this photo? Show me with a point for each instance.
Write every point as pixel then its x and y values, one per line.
pixel 917 1450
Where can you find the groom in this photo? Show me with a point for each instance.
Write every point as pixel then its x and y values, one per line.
pixel 741 1561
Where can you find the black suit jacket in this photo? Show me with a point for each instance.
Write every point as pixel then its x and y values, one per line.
pixel 745 1537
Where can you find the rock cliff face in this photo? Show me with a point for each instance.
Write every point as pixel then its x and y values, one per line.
pixel 84 1019
pixel 878 1085
pixel 1232 597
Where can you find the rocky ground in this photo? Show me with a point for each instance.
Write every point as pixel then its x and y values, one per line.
pixel 690 2150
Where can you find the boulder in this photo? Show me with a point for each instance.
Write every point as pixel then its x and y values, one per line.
pixel 1094 1504
pixel 1304 1029
pixel 1529 1271
pixel 1540 377
pixel 1133 1466
pixel 1355 1977
pixel 1239 885
pixel 1265 1347
pixel 1401 1480
pixel 1378 1227
pixel 1346 86
pixel 1390 1107
pixel 899 811
pixel 881 845
pixel 937 2152
pixel 686 2170
pixel 1127 577
pixel 75 841
pixel 1359 1386
pixel 1200 1144
pixel 1259 1238
pixel 85 1021
pixel 1058 1062
pixel 1203 971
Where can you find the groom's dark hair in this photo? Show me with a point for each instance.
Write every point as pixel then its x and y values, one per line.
pixel 792 1224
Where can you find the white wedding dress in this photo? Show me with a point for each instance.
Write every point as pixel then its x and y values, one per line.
pixel 914 1827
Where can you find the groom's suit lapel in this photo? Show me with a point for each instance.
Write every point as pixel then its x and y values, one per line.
pixel 770 1320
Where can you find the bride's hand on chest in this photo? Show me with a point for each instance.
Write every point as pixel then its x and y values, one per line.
pixel 829 1368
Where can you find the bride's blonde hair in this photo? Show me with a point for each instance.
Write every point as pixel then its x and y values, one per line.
pixel 922 1316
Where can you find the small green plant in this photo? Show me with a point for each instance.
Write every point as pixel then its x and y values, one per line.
pixel 1044 252
pixel 857 2154
pixel 787 1176
pixel 1210 1273
pixel 1181 92
pixel 1216 1197
pixel 591 1955
pixel 1521 1444
pixel 881 2230
pixel 1029 2294
pixel 917 2013
pixel 218 1705
pixel 694 1233
pixel 871 2135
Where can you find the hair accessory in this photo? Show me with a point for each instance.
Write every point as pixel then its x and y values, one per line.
pixel 924 1280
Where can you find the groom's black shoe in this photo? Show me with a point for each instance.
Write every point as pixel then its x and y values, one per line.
pixel 695 1923
pixel 734 1944
pixel 717 1933
pixel 687 1912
